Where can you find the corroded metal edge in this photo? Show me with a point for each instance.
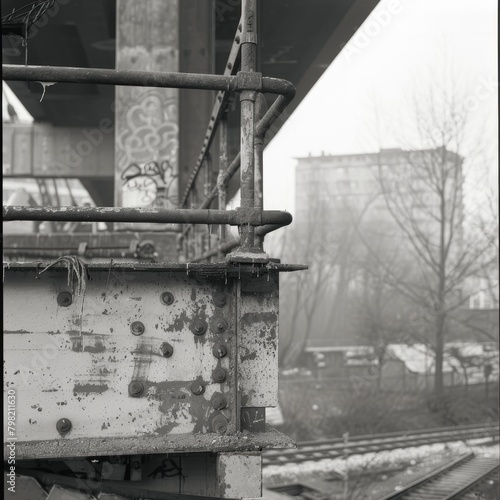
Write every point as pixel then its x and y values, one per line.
pixel 217 268
pixel 183 443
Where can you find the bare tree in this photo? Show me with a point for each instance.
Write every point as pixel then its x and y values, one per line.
pixel 424 194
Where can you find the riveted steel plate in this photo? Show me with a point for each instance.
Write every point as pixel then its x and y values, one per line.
pixel 77 362
pixel 258 342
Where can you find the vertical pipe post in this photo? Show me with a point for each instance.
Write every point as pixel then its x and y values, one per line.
pixel 260 110
pixel 207 244
pixel 222 170
pixel 247 98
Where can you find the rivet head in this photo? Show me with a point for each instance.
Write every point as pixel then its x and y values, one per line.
pixel 197 388
pixel 137 328
pixel 198 326
pixel 166 349
pixel 219 402
pixel 219 375
pixel 65 299
pixel 63 426
pixel 219 424
pixel 167 298
pixel 135 389
pixel 218 325
pixel 219 299
pixel 219 350
pixel 136 465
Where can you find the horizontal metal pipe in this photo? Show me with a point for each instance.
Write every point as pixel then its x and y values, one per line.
pixel 160 215
pixel 105 76
pixel 102 76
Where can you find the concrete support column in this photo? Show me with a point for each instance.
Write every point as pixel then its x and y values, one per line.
pixel 147 119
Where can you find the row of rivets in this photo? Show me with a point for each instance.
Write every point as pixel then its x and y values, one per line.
pixel 219 422
pixel 198 326
pixel 65 299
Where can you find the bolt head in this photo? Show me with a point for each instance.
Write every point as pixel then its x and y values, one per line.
pixel 135 389
pixel 219 299
pixel 65 299
pixel 219 424
pixel 219 375
pixel 197 388
pixel 136 465
pixel 219 350
pixel 198 326
pixel 166 349
pixel 219 402
pixel 63 425
pixel 137 328
pixel 167 298
pixel 218 325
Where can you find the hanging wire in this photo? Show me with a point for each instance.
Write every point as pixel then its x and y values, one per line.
pixel 20 21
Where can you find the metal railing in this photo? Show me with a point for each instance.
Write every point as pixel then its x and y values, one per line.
pixel 253 222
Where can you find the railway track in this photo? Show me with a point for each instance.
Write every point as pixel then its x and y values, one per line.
pixel 459 479
pixel 336 448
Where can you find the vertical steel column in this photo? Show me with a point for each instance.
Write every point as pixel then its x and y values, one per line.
pixel 248 64
pixel 260 110
pixel 222 171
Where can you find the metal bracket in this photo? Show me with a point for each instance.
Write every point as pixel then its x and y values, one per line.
pixel 249 80
pixel 249 216
pixel 249 37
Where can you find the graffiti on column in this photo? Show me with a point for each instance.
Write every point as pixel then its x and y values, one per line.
pixel 147 151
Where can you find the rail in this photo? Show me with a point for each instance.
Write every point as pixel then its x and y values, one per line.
pixel 337 448
pixel 252 221
pixel 450 481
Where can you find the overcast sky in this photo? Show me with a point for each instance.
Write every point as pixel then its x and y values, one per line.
pixel 337 116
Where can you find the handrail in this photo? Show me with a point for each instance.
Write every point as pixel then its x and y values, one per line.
pixel 236 217
pixel 254 125
pixel 106 76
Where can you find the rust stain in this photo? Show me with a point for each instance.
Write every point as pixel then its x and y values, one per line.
pixel 166 428
pixel 88 388
pixel 179 323
pixel 76 345
pixel 97 348
pixel 145 348
pixel 249 356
